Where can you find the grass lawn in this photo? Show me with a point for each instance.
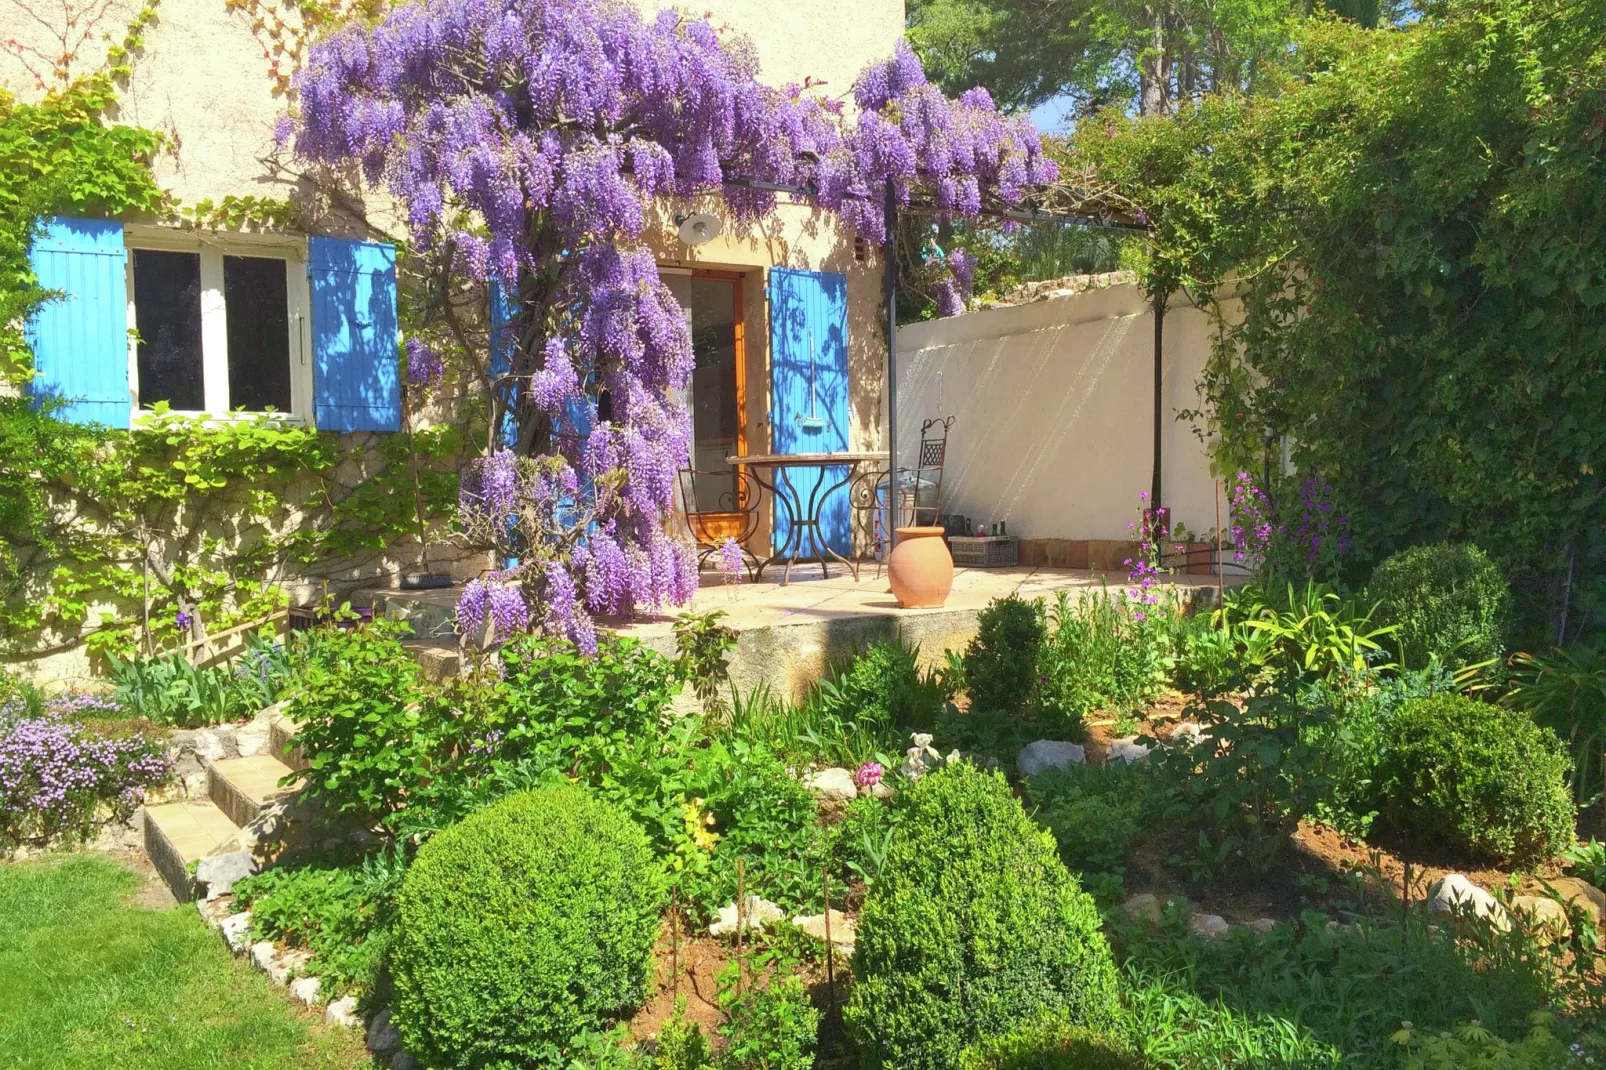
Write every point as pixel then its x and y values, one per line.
pixel 91 978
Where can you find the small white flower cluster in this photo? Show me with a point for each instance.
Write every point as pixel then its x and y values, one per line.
pixel 916 764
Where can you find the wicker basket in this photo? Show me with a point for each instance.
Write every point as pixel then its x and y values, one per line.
pixel 986 551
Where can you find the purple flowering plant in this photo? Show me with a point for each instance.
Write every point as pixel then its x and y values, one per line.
pixel 527 144
pixel 60 779
pixel 1151 530
pixel 1251 527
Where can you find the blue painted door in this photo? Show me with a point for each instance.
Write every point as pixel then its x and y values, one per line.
pixel 809 389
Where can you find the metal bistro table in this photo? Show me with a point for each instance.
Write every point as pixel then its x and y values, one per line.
pixel 803 517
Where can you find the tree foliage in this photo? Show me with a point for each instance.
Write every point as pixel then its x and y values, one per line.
pixel 1154 54
pixel 1414 230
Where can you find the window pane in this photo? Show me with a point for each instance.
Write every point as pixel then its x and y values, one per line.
pixel 715 417
pixel 256 302
pixel 167 314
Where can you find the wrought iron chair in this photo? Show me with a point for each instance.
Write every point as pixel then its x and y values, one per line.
pixel 737 516
pixel 919 489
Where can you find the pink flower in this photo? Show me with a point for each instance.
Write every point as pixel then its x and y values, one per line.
pixel 868 775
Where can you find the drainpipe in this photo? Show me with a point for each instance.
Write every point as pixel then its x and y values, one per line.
pixel 1159 395
pixel 890 252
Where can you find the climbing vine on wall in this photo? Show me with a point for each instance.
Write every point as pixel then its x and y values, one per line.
pixel 1416 226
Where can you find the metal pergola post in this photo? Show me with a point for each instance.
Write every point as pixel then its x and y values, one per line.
pixel 890 251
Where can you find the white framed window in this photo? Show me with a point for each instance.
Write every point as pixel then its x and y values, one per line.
pixel 218 323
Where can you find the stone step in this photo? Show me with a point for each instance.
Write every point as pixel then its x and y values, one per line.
pixel 438 658
pixel 244 787
pixel 282 743
pixel 180 834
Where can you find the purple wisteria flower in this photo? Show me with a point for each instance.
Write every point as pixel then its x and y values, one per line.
pixel 529 140
pixel 425 367
pixel 730 561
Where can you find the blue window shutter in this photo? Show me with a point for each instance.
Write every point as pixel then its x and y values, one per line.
pixel 354 335
pixel 80 340
pixel 809 387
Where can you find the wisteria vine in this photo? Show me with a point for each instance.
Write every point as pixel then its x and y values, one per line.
pixel 526 142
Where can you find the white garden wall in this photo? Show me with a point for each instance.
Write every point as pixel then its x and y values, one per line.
pixel 1054 412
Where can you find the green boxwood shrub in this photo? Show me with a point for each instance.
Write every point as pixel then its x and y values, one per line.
pixel 974 929
pixel 528 922
pixel 1475 778
pixel 1448 599
pixel 1052 1045
pixel 1001 661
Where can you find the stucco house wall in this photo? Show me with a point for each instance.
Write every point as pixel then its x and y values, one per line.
pixel 1054 418
pixel 203 78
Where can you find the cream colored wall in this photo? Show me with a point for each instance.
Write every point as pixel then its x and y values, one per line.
pixel 1054 411
pixel 830 41
pixel 201 79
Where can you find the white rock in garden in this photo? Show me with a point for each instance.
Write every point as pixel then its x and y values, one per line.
pixel 1046 754
pixel 1143 907
pixel 880 789
pixel 213 911
pixel 1263 925
pixel 758 912
pixel 306 990
pixel 342 1012
pixel 1542 913
pixel 1186 734
pixel 236 931
pixel 214 743
pixel 833 785
pixel 843 931
pixel 383 1036
pixel 1127 750
pixel 252 739
pixel 1209 926
pixel 196 785
pixel 278 965
pixel 217 873
pixel 1455 894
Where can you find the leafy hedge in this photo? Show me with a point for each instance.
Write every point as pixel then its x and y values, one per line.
pixel 1476 778
pixel 973 929
pixel 1449 601
pixel 524 925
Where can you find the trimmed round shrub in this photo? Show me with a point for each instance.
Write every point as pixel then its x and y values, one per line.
pixel 1001 660
pixel 1478 779
pixel 522 925
pixel 974 929
pixel 1052 1045
pixel 1449 600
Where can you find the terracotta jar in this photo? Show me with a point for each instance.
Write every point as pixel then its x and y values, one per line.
pixel 920 568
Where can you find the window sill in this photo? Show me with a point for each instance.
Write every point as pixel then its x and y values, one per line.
pixel 284 419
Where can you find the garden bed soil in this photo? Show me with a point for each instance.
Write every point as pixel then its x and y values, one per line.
pixel 1315 872
pixel 699 960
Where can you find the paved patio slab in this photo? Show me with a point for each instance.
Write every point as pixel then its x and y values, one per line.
pixel 788 636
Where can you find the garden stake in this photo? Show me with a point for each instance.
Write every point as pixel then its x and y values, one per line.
pixel 741 923
pixel 1219 580
pixel 674 939
pixel 830 948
